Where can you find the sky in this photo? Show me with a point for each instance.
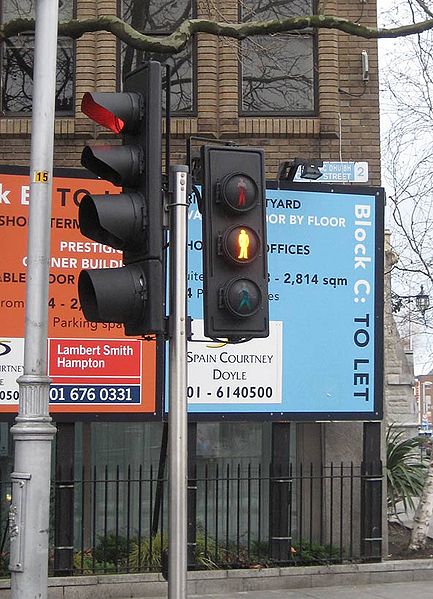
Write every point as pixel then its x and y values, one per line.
pixel 389 52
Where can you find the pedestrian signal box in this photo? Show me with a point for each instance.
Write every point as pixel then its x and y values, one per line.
pixel 235 270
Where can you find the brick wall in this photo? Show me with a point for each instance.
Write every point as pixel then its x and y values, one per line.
pixel 346 127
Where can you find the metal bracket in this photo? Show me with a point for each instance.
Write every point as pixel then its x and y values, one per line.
pixel 17 520
pixel 169 328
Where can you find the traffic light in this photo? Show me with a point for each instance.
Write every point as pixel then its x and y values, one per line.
pixel 131 221
pixel 235 273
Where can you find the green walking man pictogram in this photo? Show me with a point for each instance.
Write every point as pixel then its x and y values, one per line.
pixel 245 300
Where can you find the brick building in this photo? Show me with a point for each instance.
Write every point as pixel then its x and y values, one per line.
pixel 296 95
pixel 328 112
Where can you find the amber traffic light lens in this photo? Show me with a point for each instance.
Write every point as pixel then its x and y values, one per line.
pixel 240 244
pixel 239 192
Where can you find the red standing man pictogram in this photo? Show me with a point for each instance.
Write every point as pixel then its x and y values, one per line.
pixel 242 187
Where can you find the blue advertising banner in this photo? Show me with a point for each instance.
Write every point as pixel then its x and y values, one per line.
pixel 323 358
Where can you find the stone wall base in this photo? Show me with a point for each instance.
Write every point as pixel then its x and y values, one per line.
pixel 224 582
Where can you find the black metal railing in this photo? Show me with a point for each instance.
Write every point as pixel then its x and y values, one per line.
pixel 243 516
pixel 240 515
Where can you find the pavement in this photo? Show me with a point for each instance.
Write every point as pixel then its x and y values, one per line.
pixel 387 590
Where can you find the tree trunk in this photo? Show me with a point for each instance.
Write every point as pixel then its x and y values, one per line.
pixel 423 513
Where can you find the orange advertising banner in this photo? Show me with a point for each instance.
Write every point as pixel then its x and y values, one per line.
pixel 93 367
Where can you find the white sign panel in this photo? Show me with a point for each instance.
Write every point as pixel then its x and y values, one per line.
pixel 11 367
pixel 245 373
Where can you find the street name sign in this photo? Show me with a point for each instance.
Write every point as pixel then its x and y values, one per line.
pixel 339 172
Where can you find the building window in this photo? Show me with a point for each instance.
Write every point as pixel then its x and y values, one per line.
pixel 161 17
pixel 278 72
pixel 17 57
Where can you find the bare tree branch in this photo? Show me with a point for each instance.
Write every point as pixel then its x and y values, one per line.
pixel 425 7
pixel 176 41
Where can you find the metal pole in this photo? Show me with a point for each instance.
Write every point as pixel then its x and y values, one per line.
pixel 33 432
pixel 372 486
pixel 177 414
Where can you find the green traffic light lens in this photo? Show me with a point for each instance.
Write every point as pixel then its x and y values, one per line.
pixel 242 297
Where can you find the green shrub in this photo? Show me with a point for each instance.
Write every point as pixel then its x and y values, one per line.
pixel 113 548
pixel 147 554
pixel 110 555
pixel 405 470
pixel 306 553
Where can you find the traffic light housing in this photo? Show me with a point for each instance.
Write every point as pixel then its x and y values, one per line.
pixel 235 273
pixel 131 221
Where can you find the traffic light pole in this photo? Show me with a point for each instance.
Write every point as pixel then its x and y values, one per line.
pixel 177 412
pixel 33 432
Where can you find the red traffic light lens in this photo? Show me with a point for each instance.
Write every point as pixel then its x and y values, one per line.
pixel 100 114
pixel 240 244
pixel 239 192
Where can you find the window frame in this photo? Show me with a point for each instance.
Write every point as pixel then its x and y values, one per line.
pixel 282 113
pixel 194 84
pixel 28 113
